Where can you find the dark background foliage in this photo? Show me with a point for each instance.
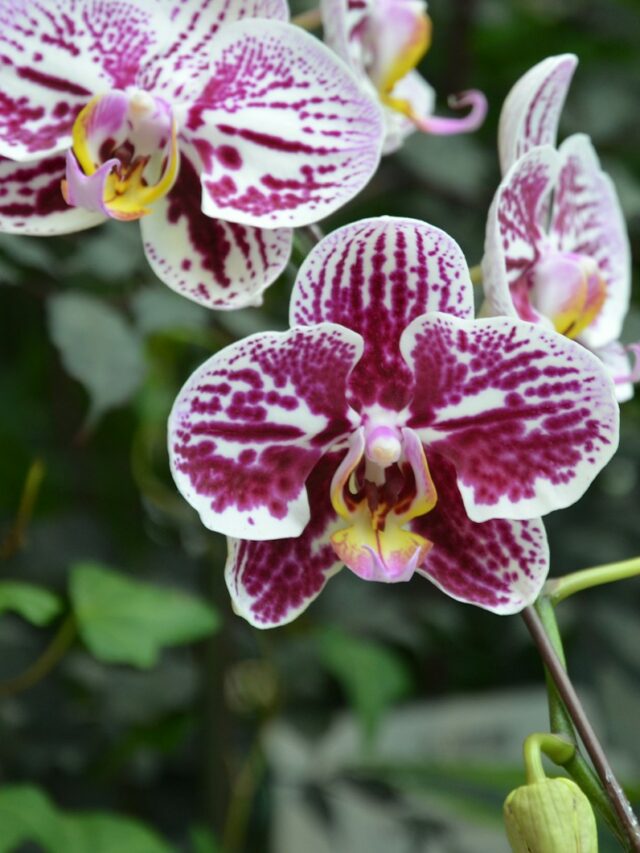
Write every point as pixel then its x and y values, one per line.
pixel 385 719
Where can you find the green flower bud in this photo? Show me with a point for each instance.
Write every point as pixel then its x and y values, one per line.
pixel 550 816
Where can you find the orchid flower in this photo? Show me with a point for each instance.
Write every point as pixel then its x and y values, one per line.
pixel 218 124
pixel 556 250
pixel 389 431
pixel 383 41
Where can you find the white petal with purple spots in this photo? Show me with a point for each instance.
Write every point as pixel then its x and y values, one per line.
pixel 532 108
pixel 285 131
pixel 587 219
pixel 31 201
pixel 252 422
pixel 526 416
pixel 221 265
pixel 271 583
pixel 56 54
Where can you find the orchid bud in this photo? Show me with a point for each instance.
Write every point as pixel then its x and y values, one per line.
pixel 550 816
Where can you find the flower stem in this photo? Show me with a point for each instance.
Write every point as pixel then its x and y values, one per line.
pixel 557 589
pixel 567 693
pixel 52 655
pixel 16 536
pixel 311 20
pixel 558 748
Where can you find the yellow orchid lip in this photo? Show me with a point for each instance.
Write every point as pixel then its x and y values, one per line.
pixel 569 290
pixel 377 503
pixel 124 154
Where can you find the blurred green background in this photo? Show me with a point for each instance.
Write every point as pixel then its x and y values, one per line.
pixel 387 719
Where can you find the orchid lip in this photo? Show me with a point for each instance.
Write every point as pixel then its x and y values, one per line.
pixel 124 155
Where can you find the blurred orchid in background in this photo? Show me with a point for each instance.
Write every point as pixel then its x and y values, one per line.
pixel 556 250
pixel 218 124
pixel 383 41
pixel 390 431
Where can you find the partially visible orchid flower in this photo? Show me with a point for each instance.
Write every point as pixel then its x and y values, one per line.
pixel 217 124
pixel 389 431
pixel 383 41
pixel 556 250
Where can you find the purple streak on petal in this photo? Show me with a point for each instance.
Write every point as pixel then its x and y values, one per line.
pixel 87 191
pixel 55 55
pixel 180 68
pixel 516 236
pixel 375 276
pixel 305 137
pixel 221 265
pixel 498 565
pixel 448 126
pixel 273 582
pixel 527 417
pixel 251 423
pixel 587 219
pixel 31 201
pixel 532 108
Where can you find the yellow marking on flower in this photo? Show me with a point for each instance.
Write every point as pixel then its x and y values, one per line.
pixel 126 194
pixel 405 61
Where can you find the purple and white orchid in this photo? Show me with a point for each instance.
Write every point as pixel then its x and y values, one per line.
pixel 383 41
pixel 390 431
pixel 216 122
pixel 556 250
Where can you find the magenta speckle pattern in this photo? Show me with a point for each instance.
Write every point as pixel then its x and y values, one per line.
pixel 252 422
pixel 273 582
pixel 56 55
pixel 307 135
pixel 31 201
pixel 375 277
pixel 499 565
pixel 183 63
pixel 526 416
pixel 222 265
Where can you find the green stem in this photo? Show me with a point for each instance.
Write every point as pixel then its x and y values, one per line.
pixel 16 536
pixel 557 748
pixel 557 589
pixel 242 796
pixel 311 20
pixel 605 792
pixel 52 655
pixel 475 273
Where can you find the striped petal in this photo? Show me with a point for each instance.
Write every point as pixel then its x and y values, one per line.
pixel 287 133
pixel 221 265
pixel 251 423
pixel 56 54
pixel 587 219
pixel 526 416
pixel 376 276
pixel 515 235
pixel 180 68
pixel 31 201
pixel 499 565
pixel 273 582
pixel 531 111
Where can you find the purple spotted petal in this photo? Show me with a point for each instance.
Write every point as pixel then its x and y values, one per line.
pixel 526 416
pixel 499 565
pixel 273 582
pixel 376 276
pixel 31 201
pixel 515 235
pixel 286 133
pixel 56 54
pixel 221 265
pixel 531 111
pixel 253 420
pixel 587 219
pixel 179 69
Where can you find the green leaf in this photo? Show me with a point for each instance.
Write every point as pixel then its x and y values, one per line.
pixel 98 348
pixel 125 621
pixel 33 603
pixel 203 841
pixel 372 676
pixel 158 308
pixel 27 814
